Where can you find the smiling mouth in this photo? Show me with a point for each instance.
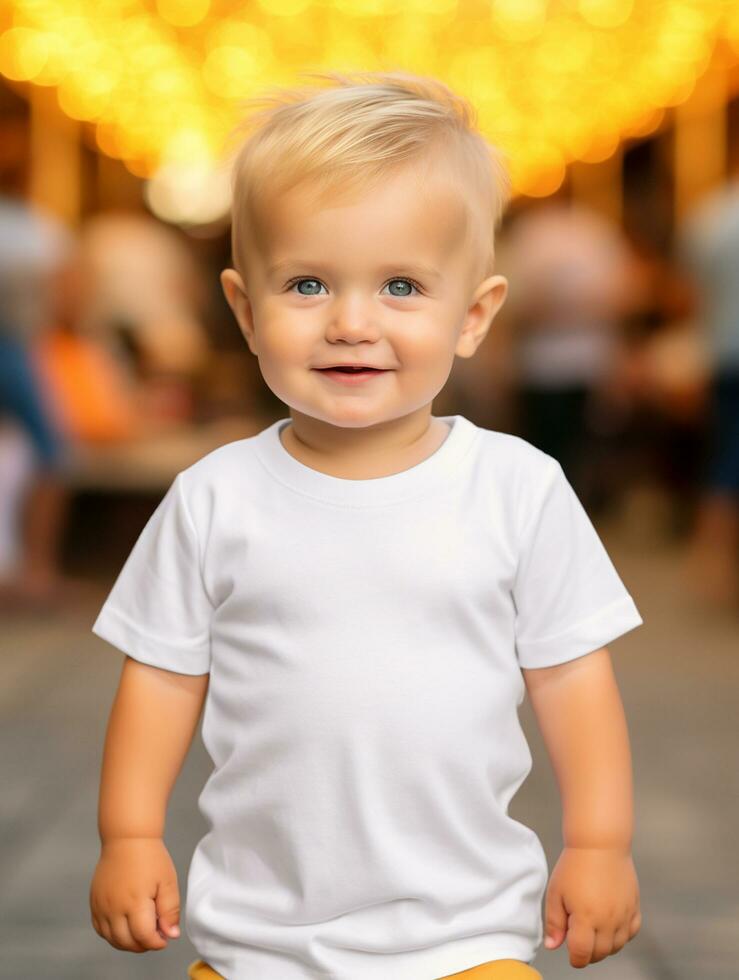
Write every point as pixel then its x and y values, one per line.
pixel 351 376
pixel 351 370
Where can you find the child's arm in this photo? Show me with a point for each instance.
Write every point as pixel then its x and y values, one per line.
pixel 151 726
pixel 593 891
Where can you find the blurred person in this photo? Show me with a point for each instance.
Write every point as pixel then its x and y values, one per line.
pixel 144 284
pixel 31 464
pixel 670 372
pixel 573 280
pixel 671 402
pixel 87 393
pixel 33 452
pixel 147 300
pixel 707 248
pixel 97 398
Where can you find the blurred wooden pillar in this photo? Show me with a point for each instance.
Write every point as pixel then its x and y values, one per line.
pixel 116 186
pixel 54 178
pixel 599 185
pixel 700 138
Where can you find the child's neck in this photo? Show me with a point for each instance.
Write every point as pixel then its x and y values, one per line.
pixel 355 468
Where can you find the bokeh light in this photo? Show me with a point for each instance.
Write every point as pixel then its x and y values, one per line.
pixel 554 81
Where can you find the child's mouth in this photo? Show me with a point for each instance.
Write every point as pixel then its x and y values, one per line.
pixel 348 375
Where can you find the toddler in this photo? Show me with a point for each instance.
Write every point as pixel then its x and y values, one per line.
pixel 359 596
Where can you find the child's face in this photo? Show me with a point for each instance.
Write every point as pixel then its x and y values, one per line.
pixel 385 280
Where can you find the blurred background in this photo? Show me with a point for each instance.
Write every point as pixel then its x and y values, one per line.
pixel 617 352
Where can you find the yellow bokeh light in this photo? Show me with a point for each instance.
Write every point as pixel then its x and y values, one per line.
pixel 107 141
pixel 286 8
pixel 80 100
pixel 23 53
pixel 606 13
pixel 229 70
pixel 601 147
pixel 138 166
pixel 55 66
pixel 518 20
pixel 183 13
pixel 187 144
pixel 235 32
pixel 552 81
pixel 644 124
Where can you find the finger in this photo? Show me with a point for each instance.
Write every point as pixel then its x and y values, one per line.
pixel 602 945
pixel 122 935
pixel 635 924
pixel 168 928
pixel 580 940
pixel 620 938
pixel 556 920
pixel 108 934
pixel 105 931
pixel 143 927
pixel 167 907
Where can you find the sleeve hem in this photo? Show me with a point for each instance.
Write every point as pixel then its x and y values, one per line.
pixel 589 634
pixel 111 625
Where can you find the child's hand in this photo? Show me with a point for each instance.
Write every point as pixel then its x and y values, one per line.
pixel 593 894
pixel 134 898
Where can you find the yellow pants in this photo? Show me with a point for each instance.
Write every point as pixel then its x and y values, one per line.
pixel 494 970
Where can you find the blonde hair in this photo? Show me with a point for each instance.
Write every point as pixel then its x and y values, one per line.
pixel 362 128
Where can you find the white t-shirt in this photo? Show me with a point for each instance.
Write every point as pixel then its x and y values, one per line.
pixel 364 640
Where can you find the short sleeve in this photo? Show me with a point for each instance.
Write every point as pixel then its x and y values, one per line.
pixel 568 597
pixel 158 610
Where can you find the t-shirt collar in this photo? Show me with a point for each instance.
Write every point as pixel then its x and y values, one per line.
pixel 441 465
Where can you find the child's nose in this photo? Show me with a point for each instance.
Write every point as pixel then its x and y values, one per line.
pixel 354 316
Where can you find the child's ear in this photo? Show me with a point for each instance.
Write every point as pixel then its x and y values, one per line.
pixel 235 293
pixel 486 301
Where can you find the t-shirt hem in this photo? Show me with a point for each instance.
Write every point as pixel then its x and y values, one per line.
pixel 431 963
pixel 114 626
pixel 587 635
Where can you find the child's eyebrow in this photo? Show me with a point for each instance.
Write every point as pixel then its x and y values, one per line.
pixel 414 267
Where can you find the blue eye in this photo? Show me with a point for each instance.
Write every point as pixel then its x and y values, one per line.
pixel 408 282
pixel 316 282
pixel 296 282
